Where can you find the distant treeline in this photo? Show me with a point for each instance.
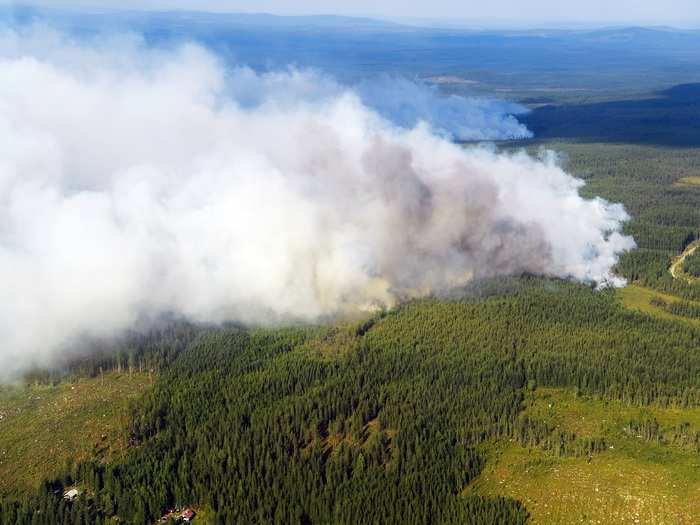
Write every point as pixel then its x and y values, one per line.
pixel 151 349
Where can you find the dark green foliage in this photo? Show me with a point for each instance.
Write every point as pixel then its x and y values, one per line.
pixel 650 430
pixel 154 350
pixel 691 265
pixel 650 236
pixel 262 427
pixel 535 433
pixel 681 435
pixel 668 119
pixel 647 429
pixel 679 308
pixel 684 309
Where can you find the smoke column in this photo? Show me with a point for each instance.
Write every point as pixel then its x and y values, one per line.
pixel 137 181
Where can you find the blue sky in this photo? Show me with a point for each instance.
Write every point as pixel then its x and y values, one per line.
pixel 517 12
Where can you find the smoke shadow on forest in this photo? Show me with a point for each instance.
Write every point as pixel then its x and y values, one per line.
pixel 671 118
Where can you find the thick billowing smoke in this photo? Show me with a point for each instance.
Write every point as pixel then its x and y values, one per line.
pixel 135 182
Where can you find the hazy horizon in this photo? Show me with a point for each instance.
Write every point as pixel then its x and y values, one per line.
pixel 501 14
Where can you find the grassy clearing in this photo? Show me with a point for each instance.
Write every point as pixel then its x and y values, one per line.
pixel 688 181
pixel 634 481
pixel 44 427
pixel 610 490
pixel 590 417
pixel 639 298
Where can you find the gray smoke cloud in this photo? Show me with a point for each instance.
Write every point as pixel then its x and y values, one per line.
pixel 407 103
pixel 136 181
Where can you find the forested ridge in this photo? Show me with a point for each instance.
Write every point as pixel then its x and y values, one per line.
pixel 374 422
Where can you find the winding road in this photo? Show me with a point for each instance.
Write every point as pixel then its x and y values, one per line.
pixel 677 266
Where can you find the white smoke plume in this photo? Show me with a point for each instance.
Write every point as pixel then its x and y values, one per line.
pixel 405 103
pixel 135 182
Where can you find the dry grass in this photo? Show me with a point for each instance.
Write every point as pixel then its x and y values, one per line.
pixel 639 298
pixel 634 482
pixel 688 181
pixel 611 489
pixel 44 427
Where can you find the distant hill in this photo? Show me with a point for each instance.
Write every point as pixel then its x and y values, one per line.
pixel 101 18
pixel 557 64
pixel 511 64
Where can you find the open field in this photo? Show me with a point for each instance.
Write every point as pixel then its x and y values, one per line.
pixel 688 181
pixel 635 480
pixel 612 489
pixel 44 427
pixel 639 298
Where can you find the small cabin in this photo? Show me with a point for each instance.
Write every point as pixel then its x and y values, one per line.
pixel 187 515
pixel 71 494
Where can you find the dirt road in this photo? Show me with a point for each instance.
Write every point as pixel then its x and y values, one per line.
pixel 677 266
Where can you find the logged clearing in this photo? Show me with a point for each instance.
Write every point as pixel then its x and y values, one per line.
pixel 44 427
pixel 589 417
pixel 612 489
pixel 636 480
pixel 639 298
pixel 688 181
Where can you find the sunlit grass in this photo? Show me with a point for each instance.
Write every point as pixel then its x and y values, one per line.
pixel 634 481
pixel 639 298
pixel 689 181
pixel 43 427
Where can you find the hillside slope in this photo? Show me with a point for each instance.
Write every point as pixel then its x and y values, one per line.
pixel 43 427
pixel 392 420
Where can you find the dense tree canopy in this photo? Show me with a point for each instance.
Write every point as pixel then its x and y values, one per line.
pixel 381 421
